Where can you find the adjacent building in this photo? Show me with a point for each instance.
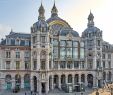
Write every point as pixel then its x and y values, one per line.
pixel 54 56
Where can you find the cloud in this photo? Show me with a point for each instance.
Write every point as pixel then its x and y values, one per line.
pixel 4 30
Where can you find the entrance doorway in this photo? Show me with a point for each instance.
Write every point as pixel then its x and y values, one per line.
pixel 90 80
pixel 43 87
pixel 35 83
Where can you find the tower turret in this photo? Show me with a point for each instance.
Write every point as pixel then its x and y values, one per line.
pixel 41 12
pixel 90 20
pixel 54 11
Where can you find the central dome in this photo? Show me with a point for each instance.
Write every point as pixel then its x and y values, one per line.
pixel 57 20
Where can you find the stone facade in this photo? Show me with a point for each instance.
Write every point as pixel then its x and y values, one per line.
pixel 55 56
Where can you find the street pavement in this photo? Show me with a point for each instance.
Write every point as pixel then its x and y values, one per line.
pixel 102 91
pixel 53 92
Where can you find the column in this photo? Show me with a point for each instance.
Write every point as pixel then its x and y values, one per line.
pixel 79 75
pixel 22 81
pixel 31 83
pixel 31 64
pixel 13 83
pixel 38 60
pixel 66 80
pixel 47 60
pixel 39 87
pixel 72 65
pixel 73 80
pixel 47 87
pixel 86 83
pixel 58 65
pixel 52 82
pixel 59 81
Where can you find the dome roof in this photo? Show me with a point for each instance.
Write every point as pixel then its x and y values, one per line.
pixel 64 32
pixel 56 18
pixel 91 29
pixel 40 24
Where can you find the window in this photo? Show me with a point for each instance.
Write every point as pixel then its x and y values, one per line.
pixel 103 56
pixel 43 65
pixel 82 44
pixel 98 42
pixel 17 42
pixel 69 65
pixel 26 65
pixel 26 54
pixel 75 44
pixel 90 65
pixel 62 64
pixel 34 39
pixel 75 52
pixel 8 41
pixel 34 65
pixel 69 43
pixel 7 64
pixel 17 54
pixel 55 42
pixel 55 64
pixel 62 53
pixel 26 42
pixel 98 64
pixel 76 64
pixel 109 56
pixel 81 52
pixel 104 64
pixel 17 64
pixel 109 64
pixel 55 52
pixel 8 54
pixel 69 52
pixel 43 39
pixel 82 64
pixel 63 43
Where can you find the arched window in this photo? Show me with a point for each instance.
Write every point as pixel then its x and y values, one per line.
pixel 70 78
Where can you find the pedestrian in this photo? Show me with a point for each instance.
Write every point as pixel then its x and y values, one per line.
pixel 25 93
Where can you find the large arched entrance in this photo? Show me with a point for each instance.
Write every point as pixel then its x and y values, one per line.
pixel 83 78
pixel 63 78
pixel 8 82
pixel 17 81
pixel 109 76
pixel 35 83
pixel 50 82
pixel 90 80
pixel 104 76
pixel 69 78
pixel 27 81
pixel 76 79
pixel 56 81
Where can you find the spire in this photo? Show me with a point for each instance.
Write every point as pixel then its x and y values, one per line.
pixel 54 11
pixel 90 20
pixel 41 12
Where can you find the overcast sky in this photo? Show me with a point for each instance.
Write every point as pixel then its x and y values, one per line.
pixel 21 14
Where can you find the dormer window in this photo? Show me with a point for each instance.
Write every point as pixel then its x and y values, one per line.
pixel 17 42
pixel 8 41
pixel 26 42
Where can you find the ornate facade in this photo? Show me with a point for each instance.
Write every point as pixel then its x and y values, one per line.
pixel 55 56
